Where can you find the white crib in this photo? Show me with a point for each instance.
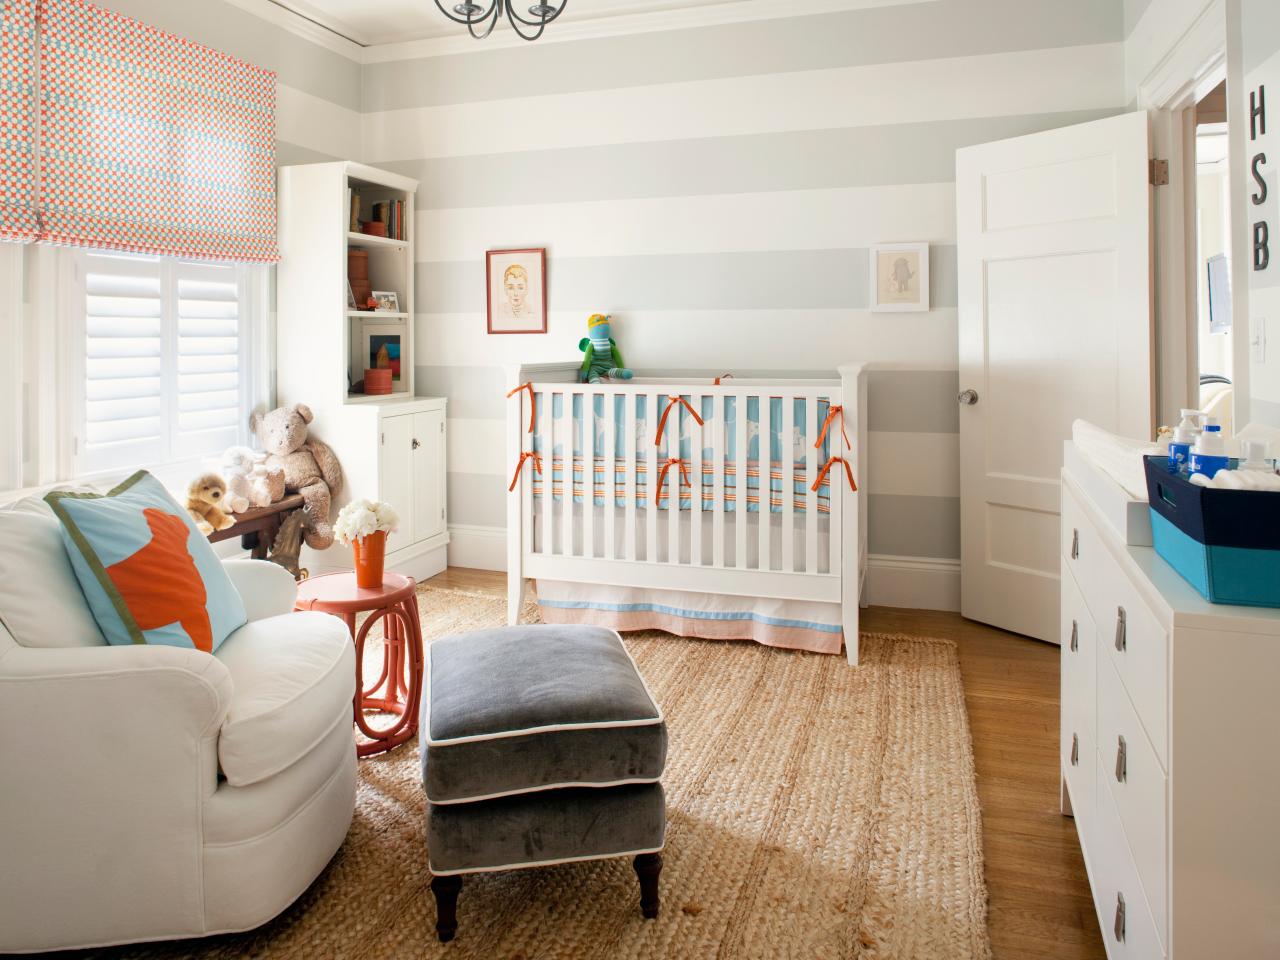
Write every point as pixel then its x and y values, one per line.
pixel 805 540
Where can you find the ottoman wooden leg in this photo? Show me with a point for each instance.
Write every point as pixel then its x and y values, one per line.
pixel 648 866
pixel 446 893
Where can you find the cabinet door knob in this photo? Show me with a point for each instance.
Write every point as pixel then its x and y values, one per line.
pixel 1119 927
pixel 968 397
pixel 1075 544
pixel 1122 760
pixel 1075 750
pixel 415 443
pixel 1075 636
pixel 1122 619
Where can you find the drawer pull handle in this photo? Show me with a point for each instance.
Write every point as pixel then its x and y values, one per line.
pixel 1075 636
pixel 1119 927
pixel 1075 750
pixel 1075 544
pixel 1122 620
pixel 1122 760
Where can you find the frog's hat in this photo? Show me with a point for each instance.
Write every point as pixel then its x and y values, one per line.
pixel 596 319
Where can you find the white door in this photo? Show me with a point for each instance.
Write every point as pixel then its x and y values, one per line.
pixel 1053 236
pixel 428 474
pixel 395 476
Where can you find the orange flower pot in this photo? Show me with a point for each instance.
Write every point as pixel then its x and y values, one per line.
pixel 371 553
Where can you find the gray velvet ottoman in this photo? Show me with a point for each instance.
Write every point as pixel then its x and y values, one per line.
pixel 541 744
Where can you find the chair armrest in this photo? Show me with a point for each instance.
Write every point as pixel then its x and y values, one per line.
pixel 109 755
pixel 267 589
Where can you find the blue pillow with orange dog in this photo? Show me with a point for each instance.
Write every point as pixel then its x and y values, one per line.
pixel 148 574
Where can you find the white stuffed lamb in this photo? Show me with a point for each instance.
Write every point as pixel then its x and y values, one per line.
pixel 237 465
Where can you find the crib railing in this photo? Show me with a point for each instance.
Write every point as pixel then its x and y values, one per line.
pixel 680 512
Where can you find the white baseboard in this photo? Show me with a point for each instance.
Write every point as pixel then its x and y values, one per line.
pixel 920 583
pixel 480 548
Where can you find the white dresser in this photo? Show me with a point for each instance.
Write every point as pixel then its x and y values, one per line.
pixel 1170 759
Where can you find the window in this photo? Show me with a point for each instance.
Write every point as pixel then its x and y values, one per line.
pixel 162 354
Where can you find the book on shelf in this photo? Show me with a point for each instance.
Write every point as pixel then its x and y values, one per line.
pixel 353 204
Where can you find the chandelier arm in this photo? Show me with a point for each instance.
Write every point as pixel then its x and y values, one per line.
pixel 523 36
pixel 495 12
pixel 464 20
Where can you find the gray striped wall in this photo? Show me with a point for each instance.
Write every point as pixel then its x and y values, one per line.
pixel 792 306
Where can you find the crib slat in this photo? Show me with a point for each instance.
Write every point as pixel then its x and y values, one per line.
pixel 695 493
pixel 609 490
pixel 839 484
pixel 630 465
pixel 741 508
pixel 589 472
pixel 788 464
pixel 546 426
pixel 674 436
pixel 566 502
pixel 525 487
pixel 652 411
pixel 719 448
pixel 812 465
pixel 766 483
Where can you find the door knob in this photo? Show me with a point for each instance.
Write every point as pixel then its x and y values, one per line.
pixel 416 444
pixel 968 397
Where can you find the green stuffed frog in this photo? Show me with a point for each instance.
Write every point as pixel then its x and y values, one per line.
pixel 602 357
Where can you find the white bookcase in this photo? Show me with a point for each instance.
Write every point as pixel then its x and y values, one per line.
pixel 391 447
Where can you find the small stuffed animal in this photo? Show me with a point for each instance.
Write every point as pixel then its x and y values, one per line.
pixel 602 356
pixel 237 464
pixel 250 482
pixel 310 466
pixel 205 495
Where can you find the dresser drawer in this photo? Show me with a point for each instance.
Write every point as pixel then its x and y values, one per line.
pixel 1138 787
pixel 1127 928
pixel 1080 545
pixel 1079 762
pixel 1079 646
pixel 1138 647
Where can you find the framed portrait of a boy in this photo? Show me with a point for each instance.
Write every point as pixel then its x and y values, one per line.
pixel 517 290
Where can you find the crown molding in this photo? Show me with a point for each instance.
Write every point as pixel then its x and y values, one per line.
pixel 299 25
pixel 613 23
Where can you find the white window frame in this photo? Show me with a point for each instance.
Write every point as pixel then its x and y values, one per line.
pixel 173 467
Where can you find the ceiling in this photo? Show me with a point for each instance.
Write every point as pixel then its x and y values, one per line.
pixel 373 22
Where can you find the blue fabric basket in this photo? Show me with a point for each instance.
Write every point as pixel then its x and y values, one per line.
pixel 1225 543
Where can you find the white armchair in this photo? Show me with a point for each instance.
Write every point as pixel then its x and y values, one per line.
pixel 152 792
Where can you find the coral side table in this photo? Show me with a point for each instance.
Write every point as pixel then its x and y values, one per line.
pixel 398 687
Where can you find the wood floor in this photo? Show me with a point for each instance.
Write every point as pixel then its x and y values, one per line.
pixel 1039 895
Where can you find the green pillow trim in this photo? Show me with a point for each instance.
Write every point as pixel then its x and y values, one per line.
pixel 54 499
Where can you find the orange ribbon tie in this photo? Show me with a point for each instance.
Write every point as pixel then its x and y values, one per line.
pixel 533 403
pixel 662 421
pixel 537 467
pixel 662 478
pixel 832 412
pixel 831 461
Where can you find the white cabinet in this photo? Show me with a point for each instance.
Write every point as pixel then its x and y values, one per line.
pixel 1169 713
pixel 391 447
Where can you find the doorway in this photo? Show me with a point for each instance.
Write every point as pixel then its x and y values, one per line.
pixel 1211 244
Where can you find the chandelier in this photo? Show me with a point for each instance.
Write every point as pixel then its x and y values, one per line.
pixel 474 15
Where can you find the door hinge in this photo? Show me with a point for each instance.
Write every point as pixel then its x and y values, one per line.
pixel 1158 173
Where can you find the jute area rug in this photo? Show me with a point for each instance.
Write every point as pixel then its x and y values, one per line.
pixel 814 811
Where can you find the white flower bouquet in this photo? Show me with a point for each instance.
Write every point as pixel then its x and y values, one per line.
pixel 360 518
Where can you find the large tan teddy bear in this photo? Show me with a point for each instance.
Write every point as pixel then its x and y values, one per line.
pixel 310 467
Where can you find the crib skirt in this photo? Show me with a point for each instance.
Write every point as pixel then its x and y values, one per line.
pixel 794 624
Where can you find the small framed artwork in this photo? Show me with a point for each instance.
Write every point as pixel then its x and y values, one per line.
pixel 382 346
pixel 517 290
pixel 388 301
pixel 899 279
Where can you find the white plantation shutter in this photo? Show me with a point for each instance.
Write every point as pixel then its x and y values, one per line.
pixel 166 376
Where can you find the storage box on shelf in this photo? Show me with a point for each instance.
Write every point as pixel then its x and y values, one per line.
pixel 391 446
pixel 1168 764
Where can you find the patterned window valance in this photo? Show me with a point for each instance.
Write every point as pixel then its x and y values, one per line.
pixel 151 143
pixel 18 121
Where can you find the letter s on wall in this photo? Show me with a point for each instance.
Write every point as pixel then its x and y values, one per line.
pixel 1259 195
